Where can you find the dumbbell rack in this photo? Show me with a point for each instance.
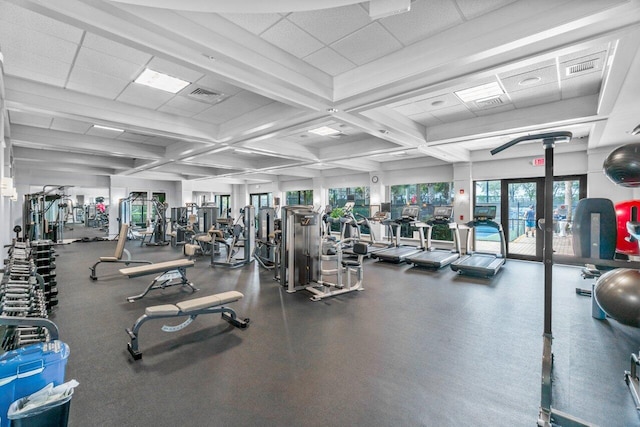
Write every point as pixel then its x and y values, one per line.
pixel 22 296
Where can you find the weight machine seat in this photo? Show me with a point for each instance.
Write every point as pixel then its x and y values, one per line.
pixel 359 249
pixel 209 301
pixel 162 310
pixel 109 258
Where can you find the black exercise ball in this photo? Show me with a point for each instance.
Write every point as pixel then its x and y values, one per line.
pixel 622 165
pixel 617 292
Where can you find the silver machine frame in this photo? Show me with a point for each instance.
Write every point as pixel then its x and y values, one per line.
pixel 249 242
pixel 303 253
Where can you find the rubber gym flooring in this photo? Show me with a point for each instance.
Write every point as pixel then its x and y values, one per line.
pixel 416 348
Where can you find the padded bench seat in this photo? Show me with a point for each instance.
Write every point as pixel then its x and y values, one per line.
pixel 208 301
pixel 192 308
pixel 159 267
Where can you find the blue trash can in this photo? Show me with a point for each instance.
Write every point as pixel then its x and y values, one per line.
pixel 28 369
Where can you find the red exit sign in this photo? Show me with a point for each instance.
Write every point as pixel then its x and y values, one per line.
pixel 538 161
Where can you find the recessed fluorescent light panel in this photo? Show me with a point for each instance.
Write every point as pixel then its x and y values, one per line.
pixel 107 128
pixel 480 92
pixel 161 81
pixel 324 131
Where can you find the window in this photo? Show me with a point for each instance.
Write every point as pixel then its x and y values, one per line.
pixel 224 205
pixel 139 208
pixel 259 200
pixel 338 197
pixel 426 196
pixel 303 197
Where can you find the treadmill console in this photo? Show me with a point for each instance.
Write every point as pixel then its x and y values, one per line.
pixel 443 213
pixel 484 213
pixel 409 213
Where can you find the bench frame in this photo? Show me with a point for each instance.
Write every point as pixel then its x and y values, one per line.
pixel 228 314
pixel 164 280
pixel 117 257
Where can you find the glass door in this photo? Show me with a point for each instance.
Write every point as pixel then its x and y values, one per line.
pixel 523 209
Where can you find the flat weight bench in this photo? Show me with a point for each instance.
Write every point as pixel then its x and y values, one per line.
pixel 117 257
pixel 192 308
pixel 172 273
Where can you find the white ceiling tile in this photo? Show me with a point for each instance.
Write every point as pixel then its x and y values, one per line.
pixel 536 96
pixel 329 25
pixel 188 106
pixel 585 85
pixel 474 8
pixel 253 98
pixel 517 82
pixel 177 111
pixel 253 22
pixel 452 114
pixel 229 109
pixel 433 103
pixel 106 64
pixel 329 61
pixel 69 125
pixel 104 45
pixel 40 44
pixel 34 67
pixel 494 110
pixel 28 20
pixel 408 109
pixel 144 96
pixel 87 81
pixel 174 70
pixel 425 19
pixel 367 44
pixel 27 119
pixel 289 37
pixel 425 119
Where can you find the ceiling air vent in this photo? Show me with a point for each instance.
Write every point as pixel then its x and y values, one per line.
pixel 488 102
pixel 206 95
pixel 581 67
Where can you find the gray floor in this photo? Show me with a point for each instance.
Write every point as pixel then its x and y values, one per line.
pixel 415 348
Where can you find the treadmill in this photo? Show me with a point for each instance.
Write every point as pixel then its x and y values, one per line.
pixel 399 253
pixel 482 263
pixel 433 257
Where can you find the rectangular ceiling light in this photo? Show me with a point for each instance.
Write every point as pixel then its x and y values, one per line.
pixel 324 131
pixel 480 92
pixel 161 81
pixel 107 128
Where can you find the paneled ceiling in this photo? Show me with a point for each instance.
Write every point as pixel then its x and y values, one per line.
pixel 393 89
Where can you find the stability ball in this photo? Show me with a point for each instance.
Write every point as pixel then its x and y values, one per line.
pixel 618 294
pixel 622 165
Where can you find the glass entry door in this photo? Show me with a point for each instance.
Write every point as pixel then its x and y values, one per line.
pixel 523 210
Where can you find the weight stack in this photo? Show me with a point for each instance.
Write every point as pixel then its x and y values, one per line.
pixel 43 255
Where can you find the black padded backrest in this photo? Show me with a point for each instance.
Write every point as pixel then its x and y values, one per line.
pixel 360 248
pixel 582 228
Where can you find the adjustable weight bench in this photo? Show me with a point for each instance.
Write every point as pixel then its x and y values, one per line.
pixel 172 273
pixel 192 308
pixel 117 257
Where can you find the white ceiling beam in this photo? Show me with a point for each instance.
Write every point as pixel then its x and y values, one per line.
pixel 29 96
pixel 22 153
pixel 71 168
pixel 47 138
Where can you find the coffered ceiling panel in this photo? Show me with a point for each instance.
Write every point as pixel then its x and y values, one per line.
pixel 260 82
